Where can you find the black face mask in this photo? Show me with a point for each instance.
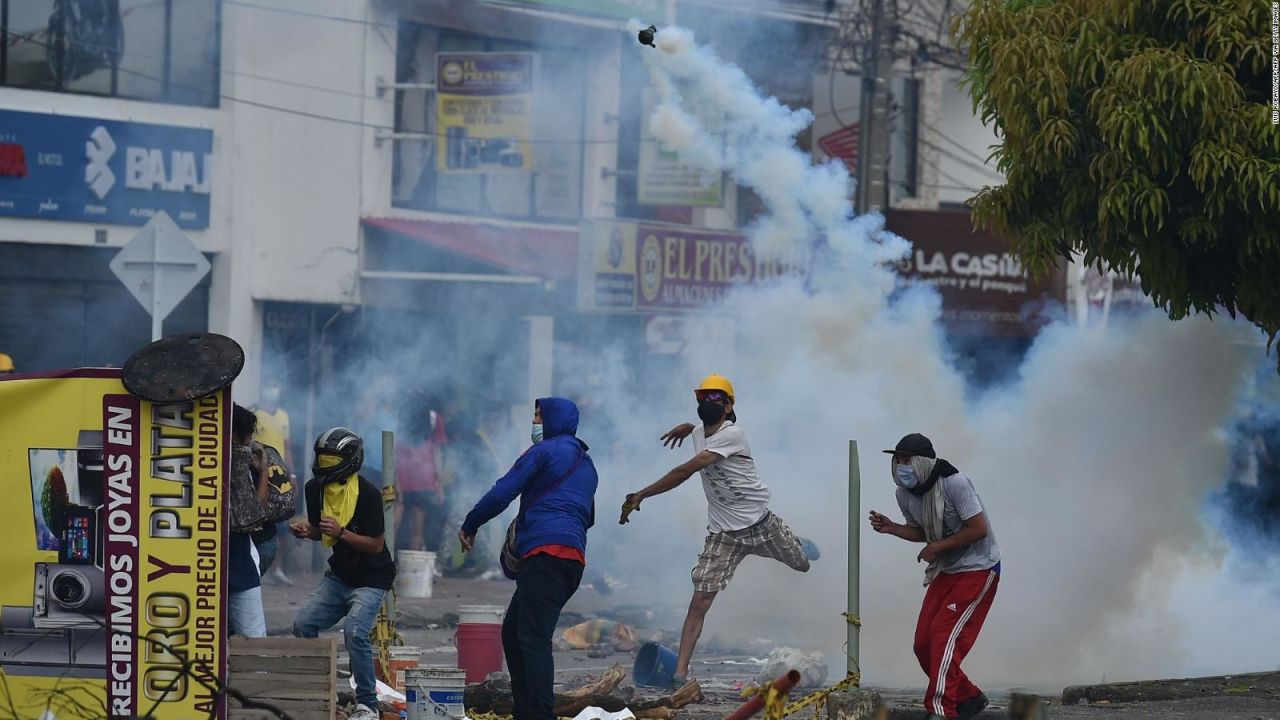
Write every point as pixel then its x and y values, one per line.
pixel 710 412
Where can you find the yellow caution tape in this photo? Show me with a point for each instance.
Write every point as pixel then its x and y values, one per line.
pixel 494 716
pixel 820 697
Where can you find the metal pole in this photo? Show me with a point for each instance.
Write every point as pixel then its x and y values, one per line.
pixel 314 554
pixel 388 508
pixel 157 322
pixel 389 482
pixel 863 197
pixel 855 527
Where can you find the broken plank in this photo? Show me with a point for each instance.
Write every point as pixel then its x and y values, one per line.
pixel 294 665
pixel 247 714
pixel 316 679
pixel 268 692
pixel 278 647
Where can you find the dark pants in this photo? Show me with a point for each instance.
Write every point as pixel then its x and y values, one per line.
pixel 543 587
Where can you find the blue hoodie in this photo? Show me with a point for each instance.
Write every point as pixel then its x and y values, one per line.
pixel 562 516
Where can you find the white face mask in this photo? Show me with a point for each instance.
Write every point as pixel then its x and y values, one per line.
pixel 905 475
pixel 536 434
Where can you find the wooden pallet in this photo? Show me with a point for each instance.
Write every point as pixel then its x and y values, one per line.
pixel 296 675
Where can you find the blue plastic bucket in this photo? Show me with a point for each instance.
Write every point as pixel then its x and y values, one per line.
pixel 655 666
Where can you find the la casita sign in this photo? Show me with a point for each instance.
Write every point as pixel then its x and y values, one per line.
pixel 964 264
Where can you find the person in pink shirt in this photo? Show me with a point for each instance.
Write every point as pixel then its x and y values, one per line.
pixel 418 465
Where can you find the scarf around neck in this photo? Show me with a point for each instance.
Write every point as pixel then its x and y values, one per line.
pixel 340 503
pixel 935 502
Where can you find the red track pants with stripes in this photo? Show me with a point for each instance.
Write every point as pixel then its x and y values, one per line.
pixel 954 609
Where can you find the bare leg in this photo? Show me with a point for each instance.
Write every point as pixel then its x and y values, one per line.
pixel 415 537
pixel 692 630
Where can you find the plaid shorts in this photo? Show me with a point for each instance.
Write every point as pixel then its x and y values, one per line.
pixel 724 551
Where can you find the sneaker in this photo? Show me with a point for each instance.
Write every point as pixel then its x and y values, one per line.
pixel 276 576
pixel 362 712
pixel 972 707
pixel 811 550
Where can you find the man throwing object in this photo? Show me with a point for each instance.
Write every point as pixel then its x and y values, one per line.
pixel 739 522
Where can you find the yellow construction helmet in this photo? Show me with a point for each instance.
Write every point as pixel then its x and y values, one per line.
pixel 716 382
pixel 6 363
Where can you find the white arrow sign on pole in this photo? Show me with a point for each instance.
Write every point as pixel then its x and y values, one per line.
pixel 160 266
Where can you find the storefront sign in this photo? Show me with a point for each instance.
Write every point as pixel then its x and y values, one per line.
pixel 653 267
pixel 484 109
pixel 116 582
pixel 666 181
pixel 61 167
pixel 984 287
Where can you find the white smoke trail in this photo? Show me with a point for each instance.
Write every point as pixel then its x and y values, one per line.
pixel 1092 464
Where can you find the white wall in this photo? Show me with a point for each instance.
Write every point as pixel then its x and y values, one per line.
pixel 296 177
pixel 963 146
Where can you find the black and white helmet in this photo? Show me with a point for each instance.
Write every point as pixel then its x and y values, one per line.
pixel 344 443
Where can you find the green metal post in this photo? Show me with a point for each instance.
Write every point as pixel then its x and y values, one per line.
pixel 855 526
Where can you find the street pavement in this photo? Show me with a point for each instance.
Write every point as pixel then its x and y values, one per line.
pixel 428 624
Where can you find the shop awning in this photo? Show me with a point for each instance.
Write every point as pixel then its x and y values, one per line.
pixel 550 253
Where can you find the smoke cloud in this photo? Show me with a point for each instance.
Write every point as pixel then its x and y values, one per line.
pixel 1094 463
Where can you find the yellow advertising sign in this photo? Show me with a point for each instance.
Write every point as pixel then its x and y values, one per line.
pixel 113 603
pixel 663 179
pixel 484 110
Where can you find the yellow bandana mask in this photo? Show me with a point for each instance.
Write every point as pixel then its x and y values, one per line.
pixel 339 497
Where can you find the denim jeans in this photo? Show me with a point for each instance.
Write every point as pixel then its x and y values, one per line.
pixel 332 601
pixel 245 614
pixel 544 585
pixel 267 550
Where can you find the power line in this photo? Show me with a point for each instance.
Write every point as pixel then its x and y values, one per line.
pixel 330 118
pixel 964 149
pixel 313 15
pixel 994 176
pixel 426 134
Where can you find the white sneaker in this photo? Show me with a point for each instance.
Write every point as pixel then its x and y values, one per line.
pixel 362 712
pixel 276 576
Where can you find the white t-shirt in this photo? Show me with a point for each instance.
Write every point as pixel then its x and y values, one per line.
pixel 961 502
pixel 736 498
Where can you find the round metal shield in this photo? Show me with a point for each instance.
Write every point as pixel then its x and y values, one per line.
pixel 183 367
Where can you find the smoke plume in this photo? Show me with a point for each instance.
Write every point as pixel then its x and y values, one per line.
pixel 1093 463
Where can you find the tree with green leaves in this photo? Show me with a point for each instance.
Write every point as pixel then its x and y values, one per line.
pixel 1139 133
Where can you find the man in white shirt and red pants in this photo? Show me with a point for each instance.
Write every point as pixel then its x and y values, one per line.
pixel 739 522
pixel 943 510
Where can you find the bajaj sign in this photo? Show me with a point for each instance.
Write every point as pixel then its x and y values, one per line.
pixel 105 171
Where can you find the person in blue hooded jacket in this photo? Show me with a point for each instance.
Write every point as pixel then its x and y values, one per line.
pixel 556 482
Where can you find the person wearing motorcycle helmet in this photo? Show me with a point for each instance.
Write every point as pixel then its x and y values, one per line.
pixel 344 511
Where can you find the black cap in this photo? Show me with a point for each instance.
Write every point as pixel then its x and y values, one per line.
pixel 915 445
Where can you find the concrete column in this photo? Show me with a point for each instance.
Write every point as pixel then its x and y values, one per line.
pixel 856 705
pixel 603 105
pixel 541 354
pixel 1027 707
pixel 234 313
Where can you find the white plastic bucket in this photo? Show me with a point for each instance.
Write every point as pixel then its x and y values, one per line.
pixel 414 572
pixel 480 614
pixel 434 692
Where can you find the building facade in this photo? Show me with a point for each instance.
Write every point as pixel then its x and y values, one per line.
pixel 370 206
